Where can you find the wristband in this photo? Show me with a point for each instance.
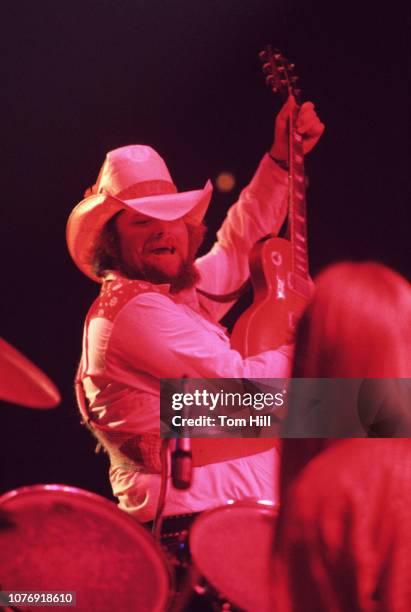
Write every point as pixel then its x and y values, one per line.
pixel 280 162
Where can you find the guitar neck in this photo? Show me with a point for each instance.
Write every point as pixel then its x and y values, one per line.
pixel 281 79
pixel 297 214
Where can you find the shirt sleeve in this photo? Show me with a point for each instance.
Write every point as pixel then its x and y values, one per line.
pixel 168 340
pixel 260 210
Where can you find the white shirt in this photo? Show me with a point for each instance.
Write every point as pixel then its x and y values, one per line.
pixel 136 333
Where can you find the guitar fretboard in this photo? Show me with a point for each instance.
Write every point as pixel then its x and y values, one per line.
pixel 297 211
pixel 281 78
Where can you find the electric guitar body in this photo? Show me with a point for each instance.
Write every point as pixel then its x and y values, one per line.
pixel 277 304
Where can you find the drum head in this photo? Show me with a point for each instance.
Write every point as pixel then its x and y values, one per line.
pixel 231 547
pixel 58 538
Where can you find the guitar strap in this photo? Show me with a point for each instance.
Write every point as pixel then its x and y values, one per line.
pixel 227 297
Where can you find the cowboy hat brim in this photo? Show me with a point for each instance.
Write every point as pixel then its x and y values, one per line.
pixel 88 218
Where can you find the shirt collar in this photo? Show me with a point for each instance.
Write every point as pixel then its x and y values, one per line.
pixel 114 275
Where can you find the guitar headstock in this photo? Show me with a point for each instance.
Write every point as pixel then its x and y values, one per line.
pixel 279 73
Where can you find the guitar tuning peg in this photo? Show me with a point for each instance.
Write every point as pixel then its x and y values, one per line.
pixel 272 82
pixel 291 66
pixel 267 68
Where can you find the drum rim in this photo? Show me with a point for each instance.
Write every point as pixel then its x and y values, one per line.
pixel 264 506
pixel 108 505
pixel 50 487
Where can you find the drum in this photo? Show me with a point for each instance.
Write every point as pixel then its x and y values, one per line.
pixel 59 538
pixel 231 549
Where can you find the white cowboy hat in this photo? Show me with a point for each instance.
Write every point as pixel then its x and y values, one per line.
pixel 135 171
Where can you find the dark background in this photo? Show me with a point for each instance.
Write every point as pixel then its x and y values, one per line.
pixel 81 77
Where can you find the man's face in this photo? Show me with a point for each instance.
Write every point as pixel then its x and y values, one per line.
pixel 152 248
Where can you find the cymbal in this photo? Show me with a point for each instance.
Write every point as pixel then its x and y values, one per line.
pixel 21 382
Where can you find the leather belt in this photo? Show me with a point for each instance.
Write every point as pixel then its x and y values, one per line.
pixel 174 525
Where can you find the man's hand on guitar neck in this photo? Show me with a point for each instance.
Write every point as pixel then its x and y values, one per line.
pixel 308 125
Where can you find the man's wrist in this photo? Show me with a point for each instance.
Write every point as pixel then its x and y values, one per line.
pixel 280 162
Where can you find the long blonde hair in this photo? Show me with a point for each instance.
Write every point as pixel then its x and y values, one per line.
pixel 358 324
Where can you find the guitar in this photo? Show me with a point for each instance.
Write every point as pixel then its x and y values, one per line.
pixel 279 266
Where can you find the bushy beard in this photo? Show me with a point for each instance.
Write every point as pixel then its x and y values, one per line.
pixel 186 277
pixel 106 255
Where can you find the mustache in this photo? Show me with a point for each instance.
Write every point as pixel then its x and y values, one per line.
pixel 167 243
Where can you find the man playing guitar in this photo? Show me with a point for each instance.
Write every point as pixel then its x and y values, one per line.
pixel 138 236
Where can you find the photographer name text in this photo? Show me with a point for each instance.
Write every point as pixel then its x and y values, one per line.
pixel 259 420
